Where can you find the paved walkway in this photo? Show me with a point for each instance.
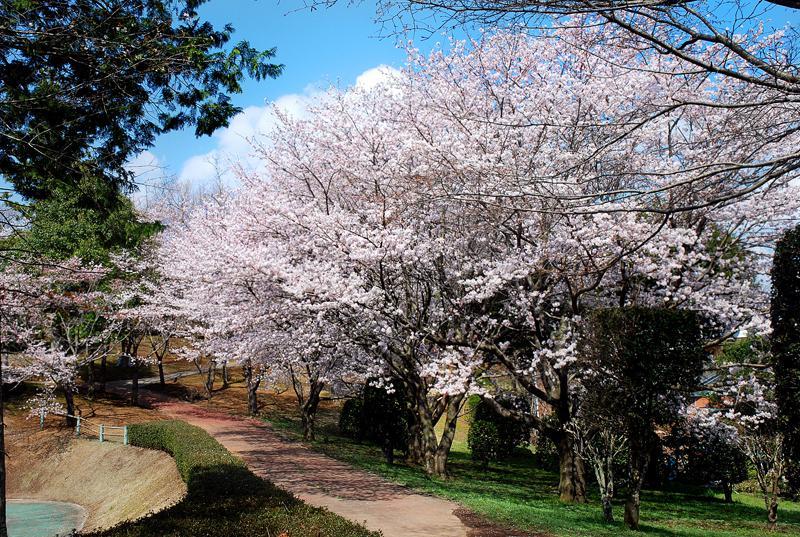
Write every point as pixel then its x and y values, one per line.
pixel 323 481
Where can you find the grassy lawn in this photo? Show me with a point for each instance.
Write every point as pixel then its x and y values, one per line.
pixel 518 494
pixel 224 498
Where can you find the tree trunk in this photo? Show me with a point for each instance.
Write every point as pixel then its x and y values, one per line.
pixel 135 384
pixel 449 433
pixel 210 374
pixel 727 489
pixel 90 380
pixel 608 511
pixel 3 524
pixel 414 450
pixel 433 467
pixel 572 473
pixel 309 410
pixel 161 380
pixel 225 379
pixel 772 512
pixel 103 374
pixel 604 471
pixel 252 390
pixel 435 450
pixel 637 466
pixel 70 401
pixel 388 449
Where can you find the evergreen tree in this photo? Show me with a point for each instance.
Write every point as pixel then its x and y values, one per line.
pixel 785 310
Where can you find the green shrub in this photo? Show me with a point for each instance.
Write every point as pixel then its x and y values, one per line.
pixel 785 315
pixel 496 443
pixel 377 415
pixel 224 498
pixel 545 454
pixel 350 418
pixel 484 442
pixel 708 455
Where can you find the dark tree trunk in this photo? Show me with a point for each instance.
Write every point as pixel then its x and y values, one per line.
pixel 309 410
pixel 414 450
pixel 210 374
pixel 608 511
pixel 252 390
pixel 436 450
pixel 388 449
pixel 3 523
pixel 637 466
pixel 161 380
pixel 69 399
pixel 572 473
pixel 772 512
pixel 449 433
pixel 135 384
pixel 90 380
pixel 727 489
pixel 225 379
pixel 103 374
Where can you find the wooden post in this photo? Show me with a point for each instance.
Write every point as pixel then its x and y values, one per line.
pixel 78 427
pixel 125 435
pixel 102 431
pixel 41 419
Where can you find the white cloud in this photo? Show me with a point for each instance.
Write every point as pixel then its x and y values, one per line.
pixel 146 167
pixel 372 77
pixel 233 142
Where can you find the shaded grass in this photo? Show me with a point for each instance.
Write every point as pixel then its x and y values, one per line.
pixel 224 498
pixel 518 494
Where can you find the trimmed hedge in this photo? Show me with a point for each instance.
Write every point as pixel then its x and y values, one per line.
pixel 224 498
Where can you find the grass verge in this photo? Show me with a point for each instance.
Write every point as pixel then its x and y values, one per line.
pixel 224 498
pixel 518 494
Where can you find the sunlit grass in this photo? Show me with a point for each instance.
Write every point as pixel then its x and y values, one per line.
pixel 519 494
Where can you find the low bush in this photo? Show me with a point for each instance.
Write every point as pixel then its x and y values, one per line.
pixel 224 498
pixel 493 437
pixel 484 442
pixel 351 417
pixel 379 416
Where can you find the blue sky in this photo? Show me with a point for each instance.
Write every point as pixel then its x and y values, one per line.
pixel 318 48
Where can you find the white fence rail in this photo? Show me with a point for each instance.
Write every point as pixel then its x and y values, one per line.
pixel 86 427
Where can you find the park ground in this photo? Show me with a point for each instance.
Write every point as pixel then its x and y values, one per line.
pixel 516 497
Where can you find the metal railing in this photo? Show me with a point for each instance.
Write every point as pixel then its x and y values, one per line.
pixel 86 427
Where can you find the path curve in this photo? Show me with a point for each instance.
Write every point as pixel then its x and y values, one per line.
pixel 325 482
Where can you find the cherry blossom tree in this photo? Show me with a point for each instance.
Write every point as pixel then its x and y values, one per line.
pixel 464 215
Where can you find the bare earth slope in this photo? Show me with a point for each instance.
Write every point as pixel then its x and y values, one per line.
pixel 112 482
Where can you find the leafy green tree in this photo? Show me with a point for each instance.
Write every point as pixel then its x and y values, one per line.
pixel 87 84
pixel 642 362
pixel 785 310
pixel 67 224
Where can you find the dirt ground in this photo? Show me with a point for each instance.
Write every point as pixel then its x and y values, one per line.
pixel 112 482
pixel 52 465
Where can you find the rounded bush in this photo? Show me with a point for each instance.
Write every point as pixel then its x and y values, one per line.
pixel 496 443
pixel 350 419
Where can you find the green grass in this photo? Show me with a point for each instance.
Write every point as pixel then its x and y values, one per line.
pixel 224 498
pixel 518 494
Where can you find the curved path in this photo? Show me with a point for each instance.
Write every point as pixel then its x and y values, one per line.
pixel 322 481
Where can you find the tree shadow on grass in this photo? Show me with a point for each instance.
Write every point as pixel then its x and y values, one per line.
pixel 224 499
